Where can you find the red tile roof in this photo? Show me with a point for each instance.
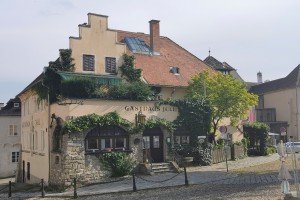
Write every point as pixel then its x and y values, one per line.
pixel 156 69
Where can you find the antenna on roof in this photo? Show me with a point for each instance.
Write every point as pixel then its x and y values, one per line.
pixel 209 52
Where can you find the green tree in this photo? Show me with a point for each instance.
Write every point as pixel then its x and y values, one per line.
pixel 228 96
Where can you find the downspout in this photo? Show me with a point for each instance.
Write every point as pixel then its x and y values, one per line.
pixel 48 125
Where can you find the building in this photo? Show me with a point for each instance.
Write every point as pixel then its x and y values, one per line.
pixel 98 54
pixel 10 137
pixel 279 104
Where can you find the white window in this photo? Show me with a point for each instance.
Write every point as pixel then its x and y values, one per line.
pixel 156 142
pixel 42 140
pixel 13 130
pixel 36 105
pixel 35 140
pixel 43 104
pixel 146 142
pixel 15 157
pixel 16 105
pixel 106 143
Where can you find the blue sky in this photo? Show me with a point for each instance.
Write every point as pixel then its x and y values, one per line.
pixel 250 35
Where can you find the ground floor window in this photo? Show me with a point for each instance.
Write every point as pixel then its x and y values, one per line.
pixel 109 137
pixel 182 139
pixel 15 157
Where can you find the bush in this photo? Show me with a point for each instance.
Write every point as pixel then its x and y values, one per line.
pixel 78 87
pixel 271 150
pixel 120 163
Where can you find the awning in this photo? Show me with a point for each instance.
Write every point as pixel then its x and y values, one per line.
pixel 100 79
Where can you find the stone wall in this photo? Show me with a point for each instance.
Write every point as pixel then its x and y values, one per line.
pixel 72 161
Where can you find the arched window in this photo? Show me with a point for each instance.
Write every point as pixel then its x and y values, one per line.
pixel 107 138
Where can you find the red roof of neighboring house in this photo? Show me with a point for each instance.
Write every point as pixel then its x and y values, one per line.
pixel 156 68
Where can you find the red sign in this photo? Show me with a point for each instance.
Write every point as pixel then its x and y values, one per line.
pixel 223 129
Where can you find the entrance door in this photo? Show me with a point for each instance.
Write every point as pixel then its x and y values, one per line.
pixel 153 145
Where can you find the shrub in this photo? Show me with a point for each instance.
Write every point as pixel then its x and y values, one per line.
pixel 271 150
pixel 119 163
pixel 78 87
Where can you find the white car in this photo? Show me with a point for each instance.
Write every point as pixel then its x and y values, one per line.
pixel 292 147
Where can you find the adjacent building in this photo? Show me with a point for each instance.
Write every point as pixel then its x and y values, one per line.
pixel 10 137
pixel 279 104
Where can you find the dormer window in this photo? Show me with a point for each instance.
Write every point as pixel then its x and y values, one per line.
pixel 175 70
pixel 16 105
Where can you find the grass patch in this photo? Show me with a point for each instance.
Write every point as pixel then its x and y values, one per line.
pixel 270 167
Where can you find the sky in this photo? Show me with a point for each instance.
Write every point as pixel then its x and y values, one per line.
pixel 250 35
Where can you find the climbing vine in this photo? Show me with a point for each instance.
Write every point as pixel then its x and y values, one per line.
pixel 86 122
pixel 194 116
pixel 128 70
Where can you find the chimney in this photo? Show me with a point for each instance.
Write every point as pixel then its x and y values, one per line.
pixel 154 37
pixel 259 78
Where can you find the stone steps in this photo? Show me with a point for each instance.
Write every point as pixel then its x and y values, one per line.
pixel 162 168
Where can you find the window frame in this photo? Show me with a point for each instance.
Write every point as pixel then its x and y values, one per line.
pixel 110 65
pixel 13 130
pixel 88 62
pixel 15 156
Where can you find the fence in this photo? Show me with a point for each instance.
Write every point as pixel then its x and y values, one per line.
pixel 234 152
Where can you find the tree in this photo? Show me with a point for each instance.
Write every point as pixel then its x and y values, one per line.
pixel 228 96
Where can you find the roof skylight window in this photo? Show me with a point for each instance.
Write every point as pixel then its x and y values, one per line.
pixel 137 45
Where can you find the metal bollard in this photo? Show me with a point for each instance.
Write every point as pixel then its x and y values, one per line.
pixel 43 188
pixel 133 181
pixel 9 189
pixel 185 177
pixel 75 189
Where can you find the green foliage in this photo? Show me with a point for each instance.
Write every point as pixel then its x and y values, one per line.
pixel 194 115
pixel 228 96
pixel 64 62
pixel 258 135
pixel 41 92
pixel 154 122
pixel 86 122
pixel 119 163
pixel 132 91
pixel 128 70
pixel 271 150
pixel 52 81
pixel 245 143
pixel 78 87
pixel 203 154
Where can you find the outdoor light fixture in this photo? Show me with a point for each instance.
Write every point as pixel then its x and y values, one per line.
pixel 140 118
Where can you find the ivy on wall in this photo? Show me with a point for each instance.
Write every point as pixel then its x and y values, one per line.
pixel 194 116
pixel 128 70
pixel 83 123
pixel 86 122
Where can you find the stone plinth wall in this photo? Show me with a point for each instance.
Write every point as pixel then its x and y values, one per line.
pixel 73 162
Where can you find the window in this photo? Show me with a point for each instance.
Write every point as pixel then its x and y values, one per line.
pixel 35 140
pixel 16 105
pixel 13 130
pixel 182 140
pixel 175 70
pixel 42 140
pixel 156 142
pixel 15 157
pixel 36 105
pixel 107 137
pixel 92 143
pixel 106 143
pixel 110 65
pixel 88 62
pixel 146 142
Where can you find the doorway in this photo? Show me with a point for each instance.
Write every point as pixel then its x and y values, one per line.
pixel 153 145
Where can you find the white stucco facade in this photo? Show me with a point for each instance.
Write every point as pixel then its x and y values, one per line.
pixel 10 145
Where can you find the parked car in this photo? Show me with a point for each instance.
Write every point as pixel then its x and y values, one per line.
pixel 292 147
